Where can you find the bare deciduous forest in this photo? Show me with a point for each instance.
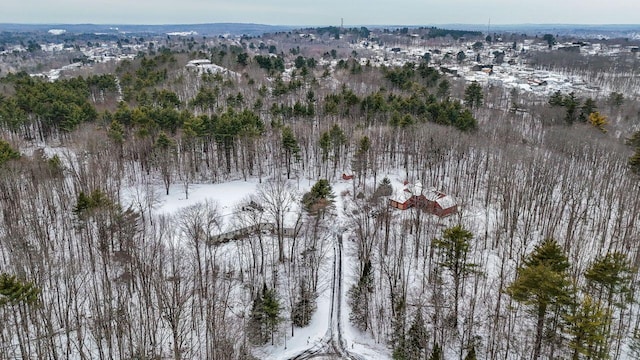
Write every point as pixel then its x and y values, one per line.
pixel 539 262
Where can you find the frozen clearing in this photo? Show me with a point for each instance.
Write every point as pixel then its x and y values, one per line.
pixel 226 195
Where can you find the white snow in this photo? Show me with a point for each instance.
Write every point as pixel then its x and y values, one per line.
pixel 303 338
pixel 225 194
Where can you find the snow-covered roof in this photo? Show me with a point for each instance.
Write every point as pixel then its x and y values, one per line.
pixel 199 62
pixel 57 31
pixel 432 194
pixel 416 189
pixel 402 196
pixel 206 66
pixel 446 202
pixel 182 33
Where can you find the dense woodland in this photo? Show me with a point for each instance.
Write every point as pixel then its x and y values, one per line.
pixel 540 262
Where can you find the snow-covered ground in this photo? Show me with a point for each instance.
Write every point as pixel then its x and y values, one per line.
pixel 228 195
pixel 225 194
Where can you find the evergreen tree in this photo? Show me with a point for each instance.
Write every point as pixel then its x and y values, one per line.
pixel 319 198
pixel 304 307
pixel 338 140
pixel 634 140
pixel 206 99
pixel 7 153
pixel 290 147
pixel 426 57
pixel 556 99
pixel 542 283
pixel 55 166
pixel 399 349
pixel 609 279
pixel 87 204
pixel 436 353
pixel 616 99
pixel 571 104
pixel 242 59
pixel 13 117
pixel 465 121
pixel 587 109
pixel 325 144
pixel 164 151
pixel 116 132
pixel 473 95
pixel 384 188
pixel 471 355
pixel 634 162
pixel 428 73
pixel 265 316
pixel 609 282
pixel 14 291
pixel 417 337
pixel 360 160
pixel 587 327
pixel 550 39
pixel 299 62
pixel 231 125
pixel 396 119
pixel 444 89
pixel 453 251
pixel 271 311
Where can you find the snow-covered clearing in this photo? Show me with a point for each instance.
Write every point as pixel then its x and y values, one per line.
pixel 228 196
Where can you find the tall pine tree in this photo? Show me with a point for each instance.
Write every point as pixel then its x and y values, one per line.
pixel 453 251
pixel 542 284
pixel 290 147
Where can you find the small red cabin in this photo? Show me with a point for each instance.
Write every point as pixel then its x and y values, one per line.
pixel 347 177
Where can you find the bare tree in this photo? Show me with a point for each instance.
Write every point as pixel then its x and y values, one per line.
pixel 277 197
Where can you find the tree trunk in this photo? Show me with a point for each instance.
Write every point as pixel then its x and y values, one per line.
pixel 542 310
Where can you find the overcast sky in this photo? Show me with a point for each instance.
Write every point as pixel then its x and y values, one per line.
pixel 322 12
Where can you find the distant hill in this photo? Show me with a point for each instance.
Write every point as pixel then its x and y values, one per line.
pixel 199 29
pixel 630 31
pixel 578 30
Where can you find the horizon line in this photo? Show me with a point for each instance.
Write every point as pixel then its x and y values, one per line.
pixel 318 25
